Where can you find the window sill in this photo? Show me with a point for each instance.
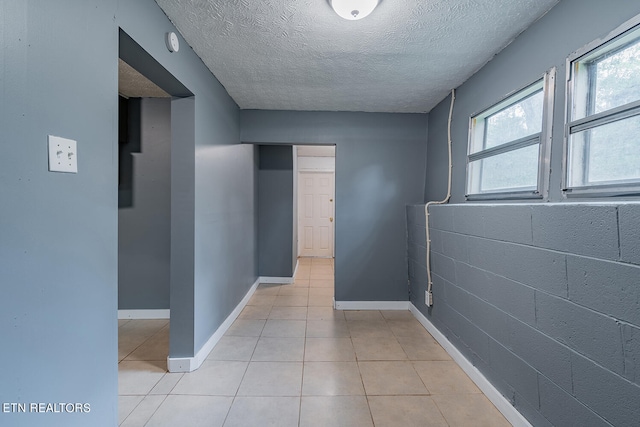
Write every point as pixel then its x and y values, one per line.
pixel 518 195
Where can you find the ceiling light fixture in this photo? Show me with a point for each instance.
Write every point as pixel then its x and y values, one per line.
pixel 353 9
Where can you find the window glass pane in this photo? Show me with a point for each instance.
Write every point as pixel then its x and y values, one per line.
pixel 606 154
pixel 514 170
pixel 617 79
pixel 521 119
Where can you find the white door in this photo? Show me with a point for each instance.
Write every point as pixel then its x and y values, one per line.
pixel 315 214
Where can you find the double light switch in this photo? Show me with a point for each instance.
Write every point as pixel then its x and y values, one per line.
pixel 63 155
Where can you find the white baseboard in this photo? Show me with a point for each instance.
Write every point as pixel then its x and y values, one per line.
pixel 283 280
pixel 143 314
pixel 501 403
pixel 295 270
pixel 371 305
pixel 189 364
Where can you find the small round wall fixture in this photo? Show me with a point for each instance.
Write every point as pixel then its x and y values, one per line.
pixel 173 44
pixel 353 9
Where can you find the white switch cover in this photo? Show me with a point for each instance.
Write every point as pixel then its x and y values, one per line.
pixel 63 155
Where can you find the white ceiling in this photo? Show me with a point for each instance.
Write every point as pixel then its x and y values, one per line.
pixel 299 55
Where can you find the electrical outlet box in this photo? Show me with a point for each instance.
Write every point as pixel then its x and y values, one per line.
pixel 63 155
pixel 428 298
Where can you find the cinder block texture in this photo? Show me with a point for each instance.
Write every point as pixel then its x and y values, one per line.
pixel 608 287
pixel 631 339
pixel 545 301
pixel 629 223
pixel 468 220
pixel 455 246
pixel 611 396
pixel 494 323
pixel 539 268
pixel 419 271
pixel 468 333
pixel 510 223
pixel 515 371
pixel 506 223
pixel 441 217
pixel 562 409
pixel 531 413
pixel 487 318
pixel 439 286
pixel 497 379
pixel 418 253
pixel 590 333
pixel 417 235
pixel 460 299
pixel 545 354
pixel 581 229
pixel 437 238
pixel 443 266
pixel 505 294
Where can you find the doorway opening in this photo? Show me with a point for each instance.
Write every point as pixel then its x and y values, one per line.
pixel 296 216
pixel 314 216
pixel 315 183
pixel 155 152
pixel 144 217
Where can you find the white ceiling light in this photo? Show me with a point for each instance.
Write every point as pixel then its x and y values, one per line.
pixel 353 9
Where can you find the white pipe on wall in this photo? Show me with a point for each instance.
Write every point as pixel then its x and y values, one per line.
pixel 429 296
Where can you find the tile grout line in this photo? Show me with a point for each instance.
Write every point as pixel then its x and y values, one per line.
pixel 156 410
pixel 304 355
pixel 138 346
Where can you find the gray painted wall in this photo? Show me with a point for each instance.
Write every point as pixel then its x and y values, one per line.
pixel 542 298
pixel 380 167
pixel 220 200
pixel 58 244
pixel 294 237
pixel 144 228
pixel 58 232
pixel 275 211
pixel 544 45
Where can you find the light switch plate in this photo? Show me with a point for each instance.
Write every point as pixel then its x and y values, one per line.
pixel 63 155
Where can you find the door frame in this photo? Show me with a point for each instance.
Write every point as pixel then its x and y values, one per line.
pixel 181 281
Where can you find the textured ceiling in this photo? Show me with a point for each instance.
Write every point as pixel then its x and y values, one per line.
pixel 299 55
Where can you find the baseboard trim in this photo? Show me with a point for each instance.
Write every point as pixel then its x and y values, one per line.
pixel 143 314
pixel 501 403
pixel 371 305
pixel 189 364
pixel 295 270
pixel 283 280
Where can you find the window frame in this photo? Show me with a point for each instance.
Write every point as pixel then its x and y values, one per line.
pixel 592 52
pixel 542 139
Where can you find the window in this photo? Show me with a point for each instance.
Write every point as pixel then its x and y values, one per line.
pixel 507 142
pixel 603 130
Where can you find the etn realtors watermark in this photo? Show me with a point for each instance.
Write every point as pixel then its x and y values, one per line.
pixel 53 408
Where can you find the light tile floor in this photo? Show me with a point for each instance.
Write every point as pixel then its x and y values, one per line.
pixel 291 360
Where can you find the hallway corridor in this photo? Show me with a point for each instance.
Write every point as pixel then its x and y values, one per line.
pixel 291 360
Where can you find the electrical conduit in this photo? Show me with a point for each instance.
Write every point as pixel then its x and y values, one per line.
pixel 429 296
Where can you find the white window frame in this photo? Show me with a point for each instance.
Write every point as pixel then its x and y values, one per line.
pixel 591 51
pixel 542 139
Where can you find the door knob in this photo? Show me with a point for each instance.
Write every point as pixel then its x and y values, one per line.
pixel 331 219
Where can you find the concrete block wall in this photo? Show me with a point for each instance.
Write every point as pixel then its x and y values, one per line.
pixel 543 299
